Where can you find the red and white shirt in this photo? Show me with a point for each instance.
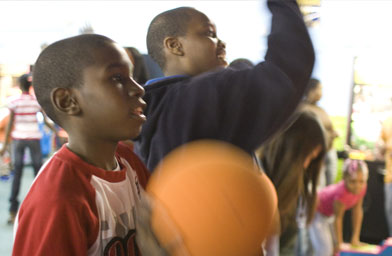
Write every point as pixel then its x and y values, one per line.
pixel 25 108
pixel 74 208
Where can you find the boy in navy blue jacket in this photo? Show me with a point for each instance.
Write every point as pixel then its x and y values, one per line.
pixel 202 99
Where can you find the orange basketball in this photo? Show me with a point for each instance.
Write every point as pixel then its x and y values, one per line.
pixel 212 195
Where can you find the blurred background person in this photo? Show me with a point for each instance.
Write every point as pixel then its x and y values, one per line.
pixel 140 73
pixel 5 159
pixel 385 148
pixel 326 230
pixel 312 97
pixel 24 130
pixel 292 160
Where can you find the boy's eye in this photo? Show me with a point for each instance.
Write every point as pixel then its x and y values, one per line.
pixel 211 34
pixel 117 78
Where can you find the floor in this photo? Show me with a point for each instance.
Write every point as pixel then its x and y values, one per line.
pixel 6 231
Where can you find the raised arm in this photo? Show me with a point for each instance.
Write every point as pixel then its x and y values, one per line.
pixel 289 44
pixel 272 90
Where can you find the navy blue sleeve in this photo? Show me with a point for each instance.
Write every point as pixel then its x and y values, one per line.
pixel 246 107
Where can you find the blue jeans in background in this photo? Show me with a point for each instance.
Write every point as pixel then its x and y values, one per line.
pixel 17 150
pixel 321 235
pixel 388 206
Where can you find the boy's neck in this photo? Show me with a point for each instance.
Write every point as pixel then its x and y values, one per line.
pixel 174 67
pixel 175 73
pixel 99 154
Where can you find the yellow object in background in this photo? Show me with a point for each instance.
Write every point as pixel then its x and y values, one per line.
pixel 358 155
pixel 309 2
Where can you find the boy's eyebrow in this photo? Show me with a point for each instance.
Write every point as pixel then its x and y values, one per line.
pixel 116 65
pixel 120 65
pixel 210 24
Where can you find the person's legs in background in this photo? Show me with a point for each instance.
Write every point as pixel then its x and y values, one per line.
pixel 303 247
pixel 320 236
pixel 36 154
pixel 388 205
pixel 17 150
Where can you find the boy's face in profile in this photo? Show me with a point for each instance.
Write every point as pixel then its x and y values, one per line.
pixel 203 49
pixel 111 101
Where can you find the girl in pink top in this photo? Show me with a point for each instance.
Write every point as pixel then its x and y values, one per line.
pixel 326 230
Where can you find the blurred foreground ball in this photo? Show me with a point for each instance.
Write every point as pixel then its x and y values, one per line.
pixel 214 196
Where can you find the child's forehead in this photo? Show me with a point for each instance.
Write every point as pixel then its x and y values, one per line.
pixel 199 18
pixel 358 174
pixel 111 57
pixel 110 52
pixel 111 47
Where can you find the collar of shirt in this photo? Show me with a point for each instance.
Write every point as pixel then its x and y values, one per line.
pixel 162 78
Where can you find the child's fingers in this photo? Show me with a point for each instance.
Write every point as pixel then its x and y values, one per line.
pixel 145 237
pixel 172 237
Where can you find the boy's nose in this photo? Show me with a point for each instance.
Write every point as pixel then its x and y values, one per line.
pixel 135 89
pixel 221 44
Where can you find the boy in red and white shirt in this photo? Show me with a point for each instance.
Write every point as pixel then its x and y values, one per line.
pixel 84 199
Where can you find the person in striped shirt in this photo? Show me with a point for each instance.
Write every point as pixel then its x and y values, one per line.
pixel 24 132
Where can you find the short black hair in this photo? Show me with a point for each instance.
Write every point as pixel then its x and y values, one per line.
pixel 61 64
pixel 173 22
pixel 25 82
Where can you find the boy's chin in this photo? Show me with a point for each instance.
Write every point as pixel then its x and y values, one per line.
pixel 223 63
pixel 132 135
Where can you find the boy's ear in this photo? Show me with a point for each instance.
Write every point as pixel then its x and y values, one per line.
pixel 64 101
pixel 173 45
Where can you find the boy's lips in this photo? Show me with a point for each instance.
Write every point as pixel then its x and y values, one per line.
pixel 221 55
pixel 138 112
